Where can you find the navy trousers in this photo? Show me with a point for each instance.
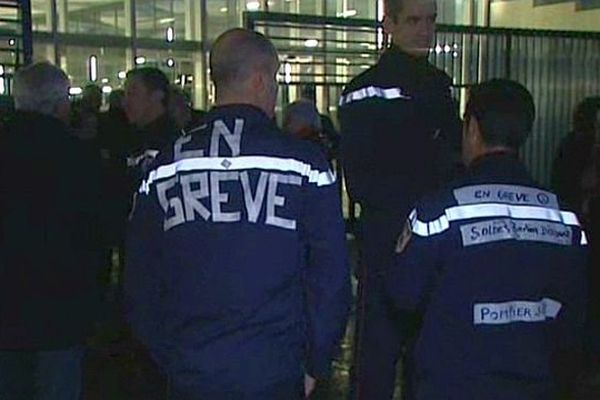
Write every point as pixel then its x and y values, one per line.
pixel 377 340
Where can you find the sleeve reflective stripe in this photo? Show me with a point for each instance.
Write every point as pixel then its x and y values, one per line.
pixel 420 228
pixel 412 216
pixel 512 211
pixel 461 213
pixel 320 178
pixel 372 91
pixel 584 241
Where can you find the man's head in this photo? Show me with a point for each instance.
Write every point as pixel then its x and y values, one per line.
pixel 244 67
pixel 179 107
pixel 116 100
pixel 301 119
pixel 42 88
pixel 411 23
pixel 586 118
pixel 146 95
pixel 499 117
pixel 91 98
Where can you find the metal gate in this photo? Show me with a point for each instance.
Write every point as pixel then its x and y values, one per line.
pixel 16 44
pixel 559 68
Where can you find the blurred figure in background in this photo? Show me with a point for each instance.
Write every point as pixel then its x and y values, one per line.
pixel 585 172
pixel 302 120
pixel 115 131
pixel 7 109
pixel 116 141
pixel 49 252
pixel 329 132
pixel 85 113
pixel 574 156
pixel 181 111
pixel 179 108
pixel 576 180
pixel 147 93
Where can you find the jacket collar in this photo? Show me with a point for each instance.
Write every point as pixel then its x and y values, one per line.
pixel 394 56
pixel 503 164
pixel 253 116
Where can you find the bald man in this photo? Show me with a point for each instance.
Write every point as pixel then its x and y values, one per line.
pixel 400 138
pixel 237 277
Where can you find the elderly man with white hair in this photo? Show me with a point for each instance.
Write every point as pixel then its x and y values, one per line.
pixel 301 119
pixel 48 250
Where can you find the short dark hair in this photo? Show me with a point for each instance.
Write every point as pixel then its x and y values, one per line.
pixel 504 110
pixel 92 95
pixel 584 117
pixel 153 79
pixel 115 99
pixel 236 53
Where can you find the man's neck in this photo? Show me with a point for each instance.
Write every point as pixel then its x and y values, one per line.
pixel 417 56
pixel 151 118
pixel 228 100
pixel 493 151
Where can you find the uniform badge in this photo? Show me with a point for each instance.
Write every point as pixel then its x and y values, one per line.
pixel 404 238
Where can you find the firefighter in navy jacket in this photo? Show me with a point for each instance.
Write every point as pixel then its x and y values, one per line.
pixel 238 279
pixel 493 267
pixel 400 140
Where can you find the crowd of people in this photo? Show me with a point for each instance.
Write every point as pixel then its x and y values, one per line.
pixel 234 278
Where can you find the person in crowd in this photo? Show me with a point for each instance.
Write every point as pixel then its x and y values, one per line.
pixel 147 92
pixel 588 197
pixel 237 278
pixel 574 155
pixel 181 111
pixel 493 268
pixel 400 140
pixel 50 294
pixel 330 135
pixel 302 120
pixel 7 109
pixel 115 130
pixel 116 139
pixel 86 114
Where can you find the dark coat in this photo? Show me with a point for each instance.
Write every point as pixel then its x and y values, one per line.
pixel 49 259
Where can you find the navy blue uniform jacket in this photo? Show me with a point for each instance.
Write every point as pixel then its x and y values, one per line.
pixel 497 272
pixel 237 271
pixel 400 132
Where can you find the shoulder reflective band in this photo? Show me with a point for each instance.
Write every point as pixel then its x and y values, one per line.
pixel 320 178
pixel 515 311
pixel 460 213
pixel 148 154
pixel 372 91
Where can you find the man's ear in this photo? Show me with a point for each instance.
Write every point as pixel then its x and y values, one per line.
pixel 257 81
pixel 473 131
pixel 388 24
